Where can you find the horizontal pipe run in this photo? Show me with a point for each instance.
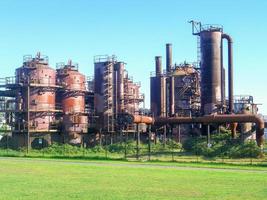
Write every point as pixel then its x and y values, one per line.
pixel 138 119
pixel 209 119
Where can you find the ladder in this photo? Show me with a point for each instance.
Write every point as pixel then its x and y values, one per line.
pixel 198 52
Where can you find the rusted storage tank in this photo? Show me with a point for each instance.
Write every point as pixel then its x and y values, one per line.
pixel 41 80
pixel 72 99
pixel 210 43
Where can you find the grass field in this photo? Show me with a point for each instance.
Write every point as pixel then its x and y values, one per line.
pixel 60 179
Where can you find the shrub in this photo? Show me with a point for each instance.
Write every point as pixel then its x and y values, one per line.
pixel 222 145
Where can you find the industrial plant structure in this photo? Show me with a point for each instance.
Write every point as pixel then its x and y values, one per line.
pixel 115 92
pixel 206 83
pixel 62 105
pixel 44 105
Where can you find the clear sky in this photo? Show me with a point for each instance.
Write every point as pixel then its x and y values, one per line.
pixel 135 31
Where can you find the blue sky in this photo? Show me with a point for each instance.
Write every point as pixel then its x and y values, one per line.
pixel 135 31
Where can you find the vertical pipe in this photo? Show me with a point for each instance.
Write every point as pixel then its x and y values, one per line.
pixel 171 95
pixel 137 141
pixel 149 142
pixel 164 135
pixel 158 62
pixel 208 135
pixel 28 115
pixel 162 100
pixel 171 78
pixel 233 127
pixel 120 86
pixel 230 71
pixel 179 133
pixel 222 76
pixel 168 57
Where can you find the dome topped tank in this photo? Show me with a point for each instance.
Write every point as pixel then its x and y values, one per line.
pixel 41 80
pixel 72 99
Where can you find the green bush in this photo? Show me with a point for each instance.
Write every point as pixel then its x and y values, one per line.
pixel 247 150
pixel 222 145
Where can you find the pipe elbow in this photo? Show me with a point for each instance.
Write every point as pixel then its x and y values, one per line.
pixel 227 37
pixel 260 122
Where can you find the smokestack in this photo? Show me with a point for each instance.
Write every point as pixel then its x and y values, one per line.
pixel 170 79
pixel 158 61
pixel 168 57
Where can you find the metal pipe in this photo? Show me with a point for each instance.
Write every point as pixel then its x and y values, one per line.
pixel 28 114
pixel 158 62
pixel 137 119
pixel 168 57
pixel 171 96
pixel 119 86
pixel 208 119
pixel 171 78
pixel 230 71
pixel 233 127
pixel 222 77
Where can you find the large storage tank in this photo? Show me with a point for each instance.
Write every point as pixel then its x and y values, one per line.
pixel 72 98
pixel 40 79
pixel 211 85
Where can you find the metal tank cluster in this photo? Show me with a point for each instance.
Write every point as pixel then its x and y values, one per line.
pixel 44 105
pixel 41 100
pixel 46 101
pixel 205 103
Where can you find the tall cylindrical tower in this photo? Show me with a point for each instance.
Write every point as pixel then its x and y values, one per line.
pixel 210 44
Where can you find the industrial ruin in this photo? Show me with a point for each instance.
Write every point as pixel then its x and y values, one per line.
pixel 42 103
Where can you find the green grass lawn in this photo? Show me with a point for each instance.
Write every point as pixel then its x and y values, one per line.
pixel 61 179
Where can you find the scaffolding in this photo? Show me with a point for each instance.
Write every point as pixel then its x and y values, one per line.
pixel 187 90
pixel 115 93
pixel 108 97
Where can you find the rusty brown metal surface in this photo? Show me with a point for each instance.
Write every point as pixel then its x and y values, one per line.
pixel 72 99
pixel 209 119
pixel 36 72
pixel 233 127
pixel 73 104
pixel 138 119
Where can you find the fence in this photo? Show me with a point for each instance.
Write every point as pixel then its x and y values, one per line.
pixel 195 150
